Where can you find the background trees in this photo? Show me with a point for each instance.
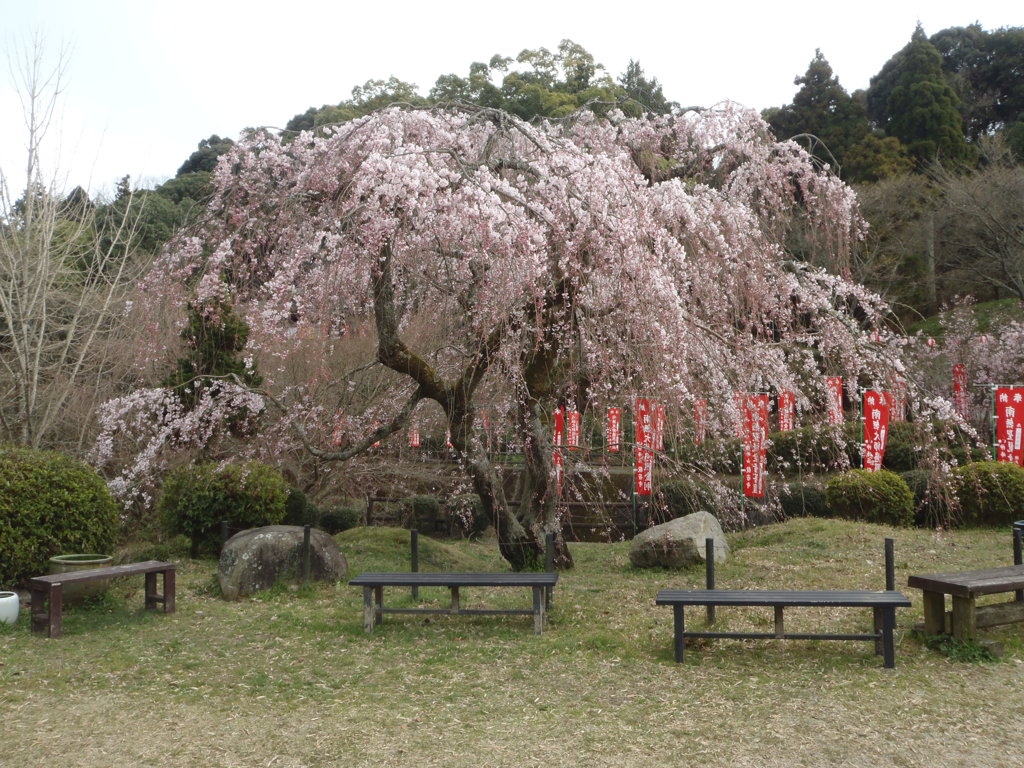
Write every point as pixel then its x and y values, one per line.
pixel 64 273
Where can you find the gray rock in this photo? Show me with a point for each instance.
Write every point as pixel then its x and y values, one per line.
pixel 679 543
pixel 259 558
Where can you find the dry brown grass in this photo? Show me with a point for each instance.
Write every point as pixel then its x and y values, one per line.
pixel 291 680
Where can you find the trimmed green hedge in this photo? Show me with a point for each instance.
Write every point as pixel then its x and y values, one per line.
pixel 990 492
pixel 50 504
pixel 195 499
pixel 873 497
pixel 803 500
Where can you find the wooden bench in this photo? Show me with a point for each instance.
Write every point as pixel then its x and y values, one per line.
pixel 373 592
pixel 965 587
pixel 883 604
pixel 47 592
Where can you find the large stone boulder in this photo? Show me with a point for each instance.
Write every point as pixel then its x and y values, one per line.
pixel 679 543
pixel 259 558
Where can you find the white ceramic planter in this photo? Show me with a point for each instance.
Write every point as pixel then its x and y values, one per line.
pixel 9 606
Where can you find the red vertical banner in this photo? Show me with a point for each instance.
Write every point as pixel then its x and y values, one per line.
pixel 658 435
pixel 556 457
pixel 700 421
pixel 755 446
pixel 1009 424
pixel 896 399
pixel 876 428
pixel 644 440
pixel 414 437
pixel 572 430
pixel 834 387
pixel 960 390
pixel 613 435
pixel 787 411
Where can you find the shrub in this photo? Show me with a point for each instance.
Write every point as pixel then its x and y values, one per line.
pixel 902 447
pixel 50 504
pixel 682 497
pixel 195 499
pixel 874 497
pixel 340 519
pixel 930 506
pixel 466 512
pixel 299 510
pixel 990 492
pixel 803 500
pixel 423 513
pixel 808 449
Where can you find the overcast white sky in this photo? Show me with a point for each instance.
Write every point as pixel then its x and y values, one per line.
pixel 148 80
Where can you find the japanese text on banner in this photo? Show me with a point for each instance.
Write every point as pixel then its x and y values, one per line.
pixel 614 434
pixel 755 448
pixel 644 440
pixel 876 428
pixel 1009 424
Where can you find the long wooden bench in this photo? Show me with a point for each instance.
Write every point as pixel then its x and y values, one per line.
pixel 373 584
pixel 965 587
pixel 47 592
pixel 883 605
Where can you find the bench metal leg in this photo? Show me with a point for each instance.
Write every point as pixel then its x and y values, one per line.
pixel 780 626
pixel 678 624
pixel 369 617
pixel 888 627
pixel 539 603
pixel 456 603
pixel 878 622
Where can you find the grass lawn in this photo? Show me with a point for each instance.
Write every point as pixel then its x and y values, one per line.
pixel 290 679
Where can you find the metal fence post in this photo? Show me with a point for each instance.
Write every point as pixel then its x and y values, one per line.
pixel 414 541
pixel 890 566
pixel 709 573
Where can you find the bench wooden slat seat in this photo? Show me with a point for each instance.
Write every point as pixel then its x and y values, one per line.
pixel 965 587
pixel 373 584
pixel 883 605
pixel 47 592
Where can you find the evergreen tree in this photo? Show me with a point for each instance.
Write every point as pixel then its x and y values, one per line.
pixel 911 100
pixel 214 343
pixel 827 118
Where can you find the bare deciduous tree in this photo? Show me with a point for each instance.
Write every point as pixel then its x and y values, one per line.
pixel 62 280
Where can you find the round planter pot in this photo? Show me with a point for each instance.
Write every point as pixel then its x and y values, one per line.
pixel 71 563
pixel 9 606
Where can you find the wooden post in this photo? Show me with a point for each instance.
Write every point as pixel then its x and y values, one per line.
pixel 415 544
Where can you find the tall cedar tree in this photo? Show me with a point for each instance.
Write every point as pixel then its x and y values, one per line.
pixel 823 111
pixel 911 100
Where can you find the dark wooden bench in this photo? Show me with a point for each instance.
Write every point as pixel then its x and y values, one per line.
pixel 373 592
pixel 965 587
pixel 48 591
pixel 883 604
